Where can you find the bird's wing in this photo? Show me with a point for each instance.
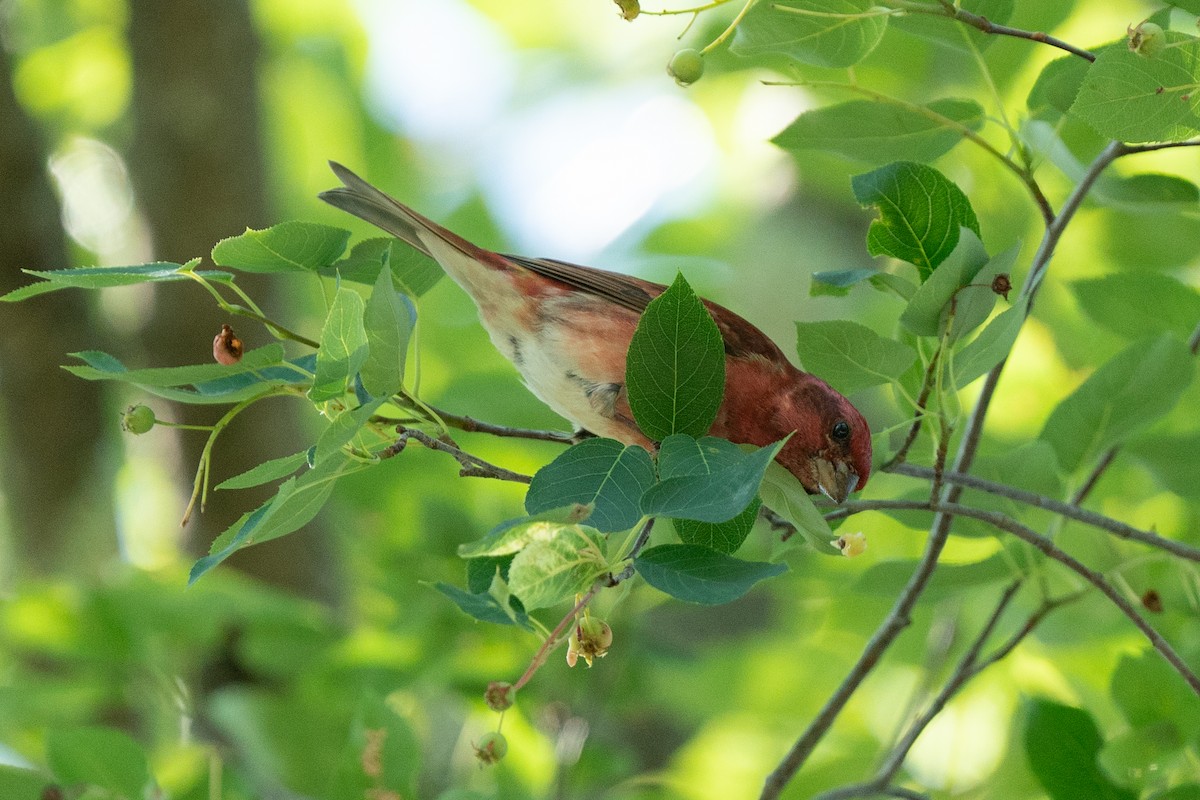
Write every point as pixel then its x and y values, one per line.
pixel 623 290
pixel 741 338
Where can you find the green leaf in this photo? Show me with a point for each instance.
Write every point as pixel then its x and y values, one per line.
pixel 388 319
pixel 1119 400
pixel 929 308
pixel 724 537
pixel 481 571
pixel 511 536
pixel 920 213
pixel 1190 791
pixel 106 367
pixel 342 430
pixel 1136 304
pixel 295 503
pixel 343 346
pixel 990 347
pixel 286 247
pixel 1148 193
pixel 675 368
pixel 1133 97
pixel 887 578
pixel 22 784
pixel 1061 744
pixel 974 303
pixel 837 283
pixel 840 32
pixel 1148 690
pixel 697 574
pixel 258 372
pixel 850 356
pixel 266 472
pixel 381 757
pixel 104 277
pixel 1135 757
pixel 600 472
pixel 483 607
pixel 1058 85
pixel 783 493
pixel 101 757
pixel 552 569
pixel 1174 460
pixel 413 272
pixel 879 132
pixel 709 480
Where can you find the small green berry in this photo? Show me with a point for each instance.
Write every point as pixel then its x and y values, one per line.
pixel 686 66
pixel 629 9
pixel 138 419
pixel 491 748
pixel 1147 39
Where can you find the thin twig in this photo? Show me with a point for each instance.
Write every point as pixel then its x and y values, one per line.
pixel 1069 510
pixel 922 402
pixel 897 618
pixel 871 790
pixel 552 641
pixel 472 425
pixel 471 466
pixel 1051 550
pixel 987 26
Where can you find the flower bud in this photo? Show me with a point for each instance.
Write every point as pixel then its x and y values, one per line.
pixel 500 695
pixel 227 347
pixel 491 748
pixel 138 419
pixel 851 544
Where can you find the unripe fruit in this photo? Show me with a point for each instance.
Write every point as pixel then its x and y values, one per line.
pixel 629 9
pixel 491 748
pixel 1147 39
pixel 686 66
pixel 500 695
pixel 138 419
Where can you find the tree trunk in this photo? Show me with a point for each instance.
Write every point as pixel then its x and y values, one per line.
pixel 197 167
pixel 54 425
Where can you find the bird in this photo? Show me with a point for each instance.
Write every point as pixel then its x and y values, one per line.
pixel 566 328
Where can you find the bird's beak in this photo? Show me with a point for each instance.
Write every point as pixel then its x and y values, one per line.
pixel 836 481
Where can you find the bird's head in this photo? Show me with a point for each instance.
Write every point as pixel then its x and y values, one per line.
pixel 830 451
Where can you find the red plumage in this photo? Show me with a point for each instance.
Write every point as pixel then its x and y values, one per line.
pixel 567 328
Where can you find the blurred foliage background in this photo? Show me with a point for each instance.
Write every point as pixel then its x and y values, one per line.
pixel 142 130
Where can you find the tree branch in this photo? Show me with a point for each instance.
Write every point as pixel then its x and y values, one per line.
pixel 472 425
pixel 1051 550
pixel 898 618
pixel 987 26
pixel 471 466
pixel 1070 510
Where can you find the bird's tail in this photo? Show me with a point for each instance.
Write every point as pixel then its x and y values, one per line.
pixel 364 201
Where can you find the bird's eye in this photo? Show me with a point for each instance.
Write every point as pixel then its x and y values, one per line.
pixel 841 430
